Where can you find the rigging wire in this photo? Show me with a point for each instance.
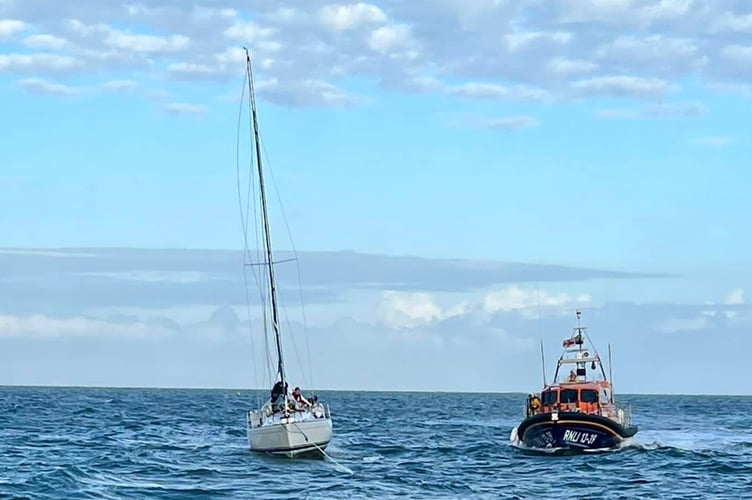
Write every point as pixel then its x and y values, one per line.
pixel 292 338
pixel 244 225
pixel 257 233
pixel 297 262
pixel 245 219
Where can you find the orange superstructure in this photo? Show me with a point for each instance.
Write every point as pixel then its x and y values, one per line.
pixel 591 397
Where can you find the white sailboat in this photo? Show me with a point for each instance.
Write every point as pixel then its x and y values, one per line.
pixel 282 425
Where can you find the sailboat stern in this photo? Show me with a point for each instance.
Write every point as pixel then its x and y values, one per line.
pixel 292 435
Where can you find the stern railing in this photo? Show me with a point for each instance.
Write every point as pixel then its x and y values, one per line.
pixel 624 411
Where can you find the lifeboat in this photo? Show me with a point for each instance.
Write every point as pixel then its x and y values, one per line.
pixel 577 411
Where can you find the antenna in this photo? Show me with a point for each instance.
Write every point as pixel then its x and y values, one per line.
pixel 543 363
pixel 543 360
pixel 610 377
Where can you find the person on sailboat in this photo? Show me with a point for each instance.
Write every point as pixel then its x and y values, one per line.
pixel 277 397
pixel 297 396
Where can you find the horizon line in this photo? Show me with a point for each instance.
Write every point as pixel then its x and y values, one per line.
pixel 398 391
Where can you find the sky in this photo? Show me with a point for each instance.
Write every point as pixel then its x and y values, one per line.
pixel 444 167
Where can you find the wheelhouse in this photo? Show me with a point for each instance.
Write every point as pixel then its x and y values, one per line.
pixel 587 398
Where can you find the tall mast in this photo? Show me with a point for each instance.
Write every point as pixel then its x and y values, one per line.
pixel 267 234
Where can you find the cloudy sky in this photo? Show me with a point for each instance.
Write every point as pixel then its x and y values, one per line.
pixel 445 168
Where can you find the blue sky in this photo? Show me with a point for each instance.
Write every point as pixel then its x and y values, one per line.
pixel 574 189
pixel 607 135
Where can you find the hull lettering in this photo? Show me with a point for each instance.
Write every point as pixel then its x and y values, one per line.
pixel 579 437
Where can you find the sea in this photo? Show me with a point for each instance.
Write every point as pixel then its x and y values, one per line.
pixel 185 444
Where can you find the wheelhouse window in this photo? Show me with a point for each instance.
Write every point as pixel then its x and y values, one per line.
pixel 588 396
pixel 549 397
pixel 568 396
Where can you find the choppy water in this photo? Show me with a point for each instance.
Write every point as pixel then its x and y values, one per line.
pixel 133 443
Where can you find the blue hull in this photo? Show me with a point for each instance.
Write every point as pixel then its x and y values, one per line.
pixel 575 431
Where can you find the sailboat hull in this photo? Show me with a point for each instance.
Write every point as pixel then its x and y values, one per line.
pixel 291 438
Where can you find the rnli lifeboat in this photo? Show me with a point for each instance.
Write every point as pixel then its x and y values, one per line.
pixel 577 411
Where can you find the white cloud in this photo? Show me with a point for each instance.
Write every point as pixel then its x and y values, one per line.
pixel 146 43
pixel 479 90
pixel 632 49
pixel 436 333
pixel 741 54
pixel 519 41
pixel 729 21
pixel 50 42
pixel 624 86
pixel 623 12
pixel 192 70
pixel 402 309
pixel 219 66
pixel 248 31
pixel 564 66
pixel 662 110
pixel 419 309
pixel 527 301
pixel 675 325
pixel 388 38
pixel 653 47
pixel 42 326
pixel 508 123
pixel 232 55
pixel 42 87
pixel 305 93
pixel 9 27
pixel 344 17
pixel 422 83
pixel 735 297
pixel 181 108
pixel 36 62
pixel 711 317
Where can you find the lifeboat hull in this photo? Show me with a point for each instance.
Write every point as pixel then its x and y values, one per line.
pixel 572 430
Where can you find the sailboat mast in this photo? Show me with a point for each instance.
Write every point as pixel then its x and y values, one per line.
pixel 267 234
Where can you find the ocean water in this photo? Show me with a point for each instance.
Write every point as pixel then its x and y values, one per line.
pixel 152 443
